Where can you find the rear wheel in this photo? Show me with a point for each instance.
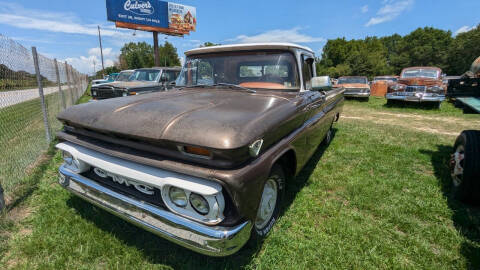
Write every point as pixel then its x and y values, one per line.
pixel 270 203
pixel 465 167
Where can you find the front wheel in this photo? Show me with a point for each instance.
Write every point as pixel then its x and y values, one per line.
pixel 465 167
pixel 270 203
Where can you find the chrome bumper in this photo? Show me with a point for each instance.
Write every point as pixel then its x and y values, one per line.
pixel 416 97
pixel 356 94
pixel 211 241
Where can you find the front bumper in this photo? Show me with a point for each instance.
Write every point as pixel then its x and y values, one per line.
pixel 356 93
pixel 212 241
pixel 415 97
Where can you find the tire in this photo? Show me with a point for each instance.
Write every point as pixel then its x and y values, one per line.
pixel 465 167
pixel 390 102
pixel 328 137
pixel 438 105
pixel 262 226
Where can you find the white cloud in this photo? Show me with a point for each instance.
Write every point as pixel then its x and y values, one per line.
pixel 464 29
pixel 85 64
pixel 364 9
pixel 390 10
pixel 17 16
pixel 288 35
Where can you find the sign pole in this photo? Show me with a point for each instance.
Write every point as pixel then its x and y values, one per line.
pixel 155 48
pixel 101 49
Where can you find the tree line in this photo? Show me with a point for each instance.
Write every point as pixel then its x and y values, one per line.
pixel 374 56
pixel 140 55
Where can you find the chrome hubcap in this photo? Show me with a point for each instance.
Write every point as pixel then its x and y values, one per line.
pixel 267 204
pixel 457 165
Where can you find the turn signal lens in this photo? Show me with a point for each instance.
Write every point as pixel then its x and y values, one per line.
pixel 178 196
pixel 67 157
pixel 199 203
pixel 196 151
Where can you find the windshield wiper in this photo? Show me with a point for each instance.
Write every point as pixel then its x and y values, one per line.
pixel 235 86
pixel 219 84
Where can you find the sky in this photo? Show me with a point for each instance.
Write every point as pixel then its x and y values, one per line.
pixel 67 30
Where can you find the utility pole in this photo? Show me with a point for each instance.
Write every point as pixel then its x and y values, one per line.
pixel 165 56
pixel 101 50
pixel 94 71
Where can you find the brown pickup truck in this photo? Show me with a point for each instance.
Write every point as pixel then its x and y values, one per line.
pixel 205 165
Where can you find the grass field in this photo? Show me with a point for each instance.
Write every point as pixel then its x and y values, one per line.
pixel 23 141
pixel 376 198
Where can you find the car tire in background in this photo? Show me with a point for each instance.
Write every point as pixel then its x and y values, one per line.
pixel 270 203
pixel 465 167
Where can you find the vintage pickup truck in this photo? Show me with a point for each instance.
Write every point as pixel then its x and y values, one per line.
pixel 418 84
pixel 205 165
pixel 142 81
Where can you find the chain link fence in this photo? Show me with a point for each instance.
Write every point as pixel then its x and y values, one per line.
pixel 33 90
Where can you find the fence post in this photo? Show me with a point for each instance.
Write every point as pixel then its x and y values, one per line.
pixel 40 92
pixel 2 199
pixel 64 104
pixel 69 83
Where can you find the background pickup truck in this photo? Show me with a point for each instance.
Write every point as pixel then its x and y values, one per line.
pixel 204 165
pixel 142 81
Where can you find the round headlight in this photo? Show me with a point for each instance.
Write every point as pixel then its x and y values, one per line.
pixel 178 196
pixel 199 203
pixel 124 94
pixel 67 157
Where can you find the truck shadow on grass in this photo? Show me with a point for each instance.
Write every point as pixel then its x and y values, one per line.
pixel 466 218
pixel 411 105
pixel 161 251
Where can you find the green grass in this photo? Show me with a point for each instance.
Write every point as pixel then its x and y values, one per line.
pixel 376 198
pixel 23 140
pixel 380 104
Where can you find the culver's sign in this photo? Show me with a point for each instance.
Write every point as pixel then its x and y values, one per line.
pixel 139 7
pixel 144 12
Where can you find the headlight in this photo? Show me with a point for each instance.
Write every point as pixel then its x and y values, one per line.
pixel 94 93
pixel 77 166
pixel 178 196
pixel 67 157
pixel 397 87
pixel 125 94
pixel 435 89
pixel 199 203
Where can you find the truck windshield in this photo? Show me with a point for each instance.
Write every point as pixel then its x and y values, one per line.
pixel 123 76
pixel 390 79
pixel 149 75
pixel 420 73
pixel 352 80
pixel 255 70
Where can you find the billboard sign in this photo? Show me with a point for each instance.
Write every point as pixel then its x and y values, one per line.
pixel 181 17
pixel 152 14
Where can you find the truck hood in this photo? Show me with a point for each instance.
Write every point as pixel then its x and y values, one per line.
pixel 213 118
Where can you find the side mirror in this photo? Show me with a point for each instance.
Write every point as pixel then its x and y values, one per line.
pixel 321 83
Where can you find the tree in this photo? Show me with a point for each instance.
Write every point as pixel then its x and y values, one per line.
pixel 209 44
pixel 108 70
pixel 463 51
pixel 136 55
pixel 140 55
pixel 168 55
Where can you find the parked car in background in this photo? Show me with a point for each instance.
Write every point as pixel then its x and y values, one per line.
pixel 379 85
pixel 418 84
pixel 355 86
pixel 205 165
pixel 447 79
pixel 124 75
pixel 107 79
pixel 142 81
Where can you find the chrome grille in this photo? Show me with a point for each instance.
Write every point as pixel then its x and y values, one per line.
pixel 415 88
